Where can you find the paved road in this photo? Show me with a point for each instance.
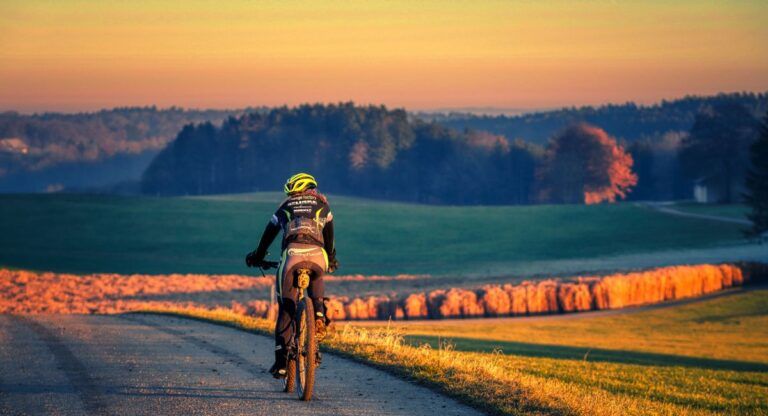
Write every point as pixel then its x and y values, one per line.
pixel 668 208
pixel 155 365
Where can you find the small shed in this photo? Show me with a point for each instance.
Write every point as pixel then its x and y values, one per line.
pixel 705 190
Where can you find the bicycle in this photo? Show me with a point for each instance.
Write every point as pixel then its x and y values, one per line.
pixel 303 352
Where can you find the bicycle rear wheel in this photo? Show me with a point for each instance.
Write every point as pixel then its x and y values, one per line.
pixel 306 349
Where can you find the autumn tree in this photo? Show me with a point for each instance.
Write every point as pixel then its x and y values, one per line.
pixel 757 183
pixel 717 147
pixel 583 164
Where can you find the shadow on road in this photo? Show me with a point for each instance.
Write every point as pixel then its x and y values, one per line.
pixel 148 391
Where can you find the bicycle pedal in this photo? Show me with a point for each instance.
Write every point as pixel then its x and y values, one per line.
pixel 320 330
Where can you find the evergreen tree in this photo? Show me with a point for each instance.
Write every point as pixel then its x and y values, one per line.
pixel 757 183
pixel 717 147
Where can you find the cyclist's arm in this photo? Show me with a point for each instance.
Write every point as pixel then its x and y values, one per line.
pixel 267 237
pixel 270 232
pixel 328 238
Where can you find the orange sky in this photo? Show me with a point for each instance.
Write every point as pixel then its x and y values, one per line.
pixel 83 55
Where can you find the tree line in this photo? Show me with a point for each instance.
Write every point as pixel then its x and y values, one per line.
pixel 627 122
pixel 375 152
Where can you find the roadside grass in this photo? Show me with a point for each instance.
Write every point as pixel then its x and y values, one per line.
pixel 702 358
pixel 737 211
pixel 699 358
pixel 99 233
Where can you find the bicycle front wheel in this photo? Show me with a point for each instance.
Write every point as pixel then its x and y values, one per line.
pixel 306 349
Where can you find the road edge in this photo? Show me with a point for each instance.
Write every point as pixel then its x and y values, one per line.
pixel 394 370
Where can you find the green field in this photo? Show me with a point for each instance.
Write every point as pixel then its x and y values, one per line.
pixel 92 233
pixel 701 358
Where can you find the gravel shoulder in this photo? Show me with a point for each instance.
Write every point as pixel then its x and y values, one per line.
pixel 159 365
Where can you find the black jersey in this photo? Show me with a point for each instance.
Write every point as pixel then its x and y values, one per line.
pixel 303 218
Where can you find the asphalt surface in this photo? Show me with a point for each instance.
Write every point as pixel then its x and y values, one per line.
pixel 156 365
pixel 668 208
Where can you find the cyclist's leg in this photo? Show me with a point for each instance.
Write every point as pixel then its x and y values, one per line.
pixel 286 310
pixel 316 292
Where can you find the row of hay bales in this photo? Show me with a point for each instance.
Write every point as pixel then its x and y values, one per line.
pixel 29 292
pixel 552 296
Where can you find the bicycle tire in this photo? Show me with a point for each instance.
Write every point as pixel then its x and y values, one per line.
pixel 289 383
pixel 306 349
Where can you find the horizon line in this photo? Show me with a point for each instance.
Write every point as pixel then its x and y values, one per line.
pixel 478 110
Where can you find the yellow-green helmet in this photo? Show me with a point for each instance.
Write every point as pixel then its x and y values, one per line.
pixel 299 182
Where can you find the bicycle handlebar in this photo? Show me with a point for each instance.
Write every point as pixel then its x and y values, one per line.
pixel 266 264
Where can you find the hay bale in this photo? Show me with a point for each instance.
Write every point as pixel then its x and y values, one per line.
pixel 451 303
pixel 549 290
pixel 495 300
pixel 373 307
pixel 726 271
pixel 574 297
pixel 471 306
pixel 335 309
pixel 357 309
pixel 541 298
pixel 435 300
pixel 415 306
pixel 518 303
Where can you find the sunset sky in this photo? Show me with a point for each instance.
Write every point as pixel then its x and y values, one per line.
pixel 84 55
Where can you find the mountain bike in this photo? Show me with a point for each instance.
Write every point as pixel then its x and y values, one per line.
pixel 303 351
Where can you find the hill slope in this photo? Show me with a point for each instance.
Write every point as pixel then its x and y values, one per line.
pixel 87 149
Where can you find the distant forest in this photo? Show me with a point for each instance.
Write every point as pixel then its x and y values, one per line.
pixel 626 122
pixel 115 145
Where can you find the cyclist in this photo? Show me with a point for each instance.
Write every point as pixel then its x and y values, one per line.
pixel 307 224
